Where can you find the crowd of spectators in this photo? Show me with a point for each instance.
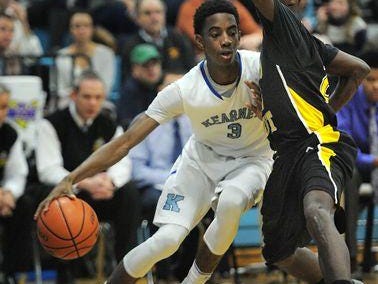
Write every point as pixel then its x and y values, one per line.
pixel 133 49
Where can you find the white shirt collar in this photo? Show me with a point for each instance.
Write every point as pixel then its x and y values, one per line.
pixel 159 41
pixel 76 117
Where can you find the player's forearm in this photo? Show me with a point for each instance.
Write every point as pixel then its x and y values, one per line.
pixel 115 150
pixel 102 159
pixel 345 90
pixel 351 71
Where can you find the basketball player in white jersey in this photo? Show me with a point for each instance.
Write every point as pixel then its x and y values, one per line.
pixel 224 165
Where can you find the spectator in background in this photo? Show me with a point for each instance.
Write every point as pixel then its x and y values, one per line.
pixel 251 32
pixel 144 82
pixel 86 54
pixel 13 172
pixel 176 51
pixel 118 17
pixel 173 6
pixel 357 118
pixel 341 22
pixel 10 63
pixel 68 137
pixel 24 42
pixel 369 10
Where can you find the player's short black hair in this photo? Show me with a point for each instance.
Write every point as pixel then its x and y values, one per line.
pixel 211 7
pixel 370 57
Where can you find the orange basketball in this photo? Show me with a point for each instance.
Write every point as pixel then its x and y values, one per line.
pixel 69 229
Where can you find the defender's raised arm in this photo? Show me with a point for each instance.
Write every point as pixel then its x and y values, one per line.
pixel 265 7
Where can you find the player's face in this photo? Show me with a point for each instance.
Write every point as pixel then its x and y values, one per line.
pixel 89 98
pixel 290 3
pixel 370 85
pixel 4 106
pixel 220 38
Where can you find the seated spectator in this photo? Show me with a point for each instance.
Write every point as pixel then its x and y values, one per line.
pixel 24 42
pixel 118 17
pixel 68 137
pixel 81 55
pixel 341 22
pixel 176 51
pixel 13 172
pixel 359 118
pixel 10 63
pixel 143 84
pixel 50 18
pixel 251 31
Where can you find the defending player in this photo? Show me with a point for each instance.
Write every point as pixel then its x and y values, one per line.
pixel 313 158
pixel 224 165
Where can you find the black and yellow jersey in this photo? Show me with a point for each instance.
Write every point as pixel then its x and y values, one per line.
pixel 294 82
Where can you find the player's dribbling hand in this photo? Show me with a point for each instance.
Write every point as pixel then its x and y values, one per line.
pixel 255 102
pixel 64 188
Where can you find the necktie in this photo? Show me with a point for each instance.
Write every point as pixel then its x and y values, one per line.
pixel 177 144
pixel 373 133
pixel 85 127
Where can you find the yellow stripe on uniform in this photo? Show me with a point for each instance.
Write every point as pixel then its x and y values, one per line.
pixel 313 121
pixel 314 118
pixel 325 155
pixel 326 134
pixel 324 87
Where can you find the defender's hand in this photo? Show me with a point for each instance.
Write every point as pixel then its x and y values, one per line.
pixel 255 103
pixel 64 188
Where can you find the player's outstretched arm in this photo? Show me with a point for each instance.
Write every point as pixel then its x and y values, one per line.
pixel 351 71
pixel 103 158
pixel 265 7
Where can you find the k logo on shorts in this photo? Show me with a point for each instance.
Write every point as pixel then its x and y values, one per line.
pixel 171 203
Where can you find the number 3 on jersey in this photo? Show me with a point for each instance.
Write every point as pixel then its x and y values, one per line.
pixel 236 130
pixel 268 122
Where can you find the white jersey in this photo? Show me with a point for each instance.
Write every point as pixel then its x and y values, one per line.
pixel 224 124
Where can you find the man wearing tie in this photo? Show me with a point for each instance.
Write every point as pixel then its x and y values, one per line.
pixel 65 139
pixel 359 118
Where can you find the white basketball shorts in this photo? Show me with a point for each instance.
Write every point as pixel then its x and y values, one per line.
pixel 198 177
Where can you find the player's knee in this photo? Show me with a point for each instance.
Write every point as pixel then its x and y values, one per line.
pixel 168 243
pixel 231 207
pixel 317 216
pixel 168 238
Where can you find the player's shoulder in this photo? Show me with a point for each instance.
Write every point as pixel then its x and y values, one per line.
pixel 250 60
pixel 191 78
